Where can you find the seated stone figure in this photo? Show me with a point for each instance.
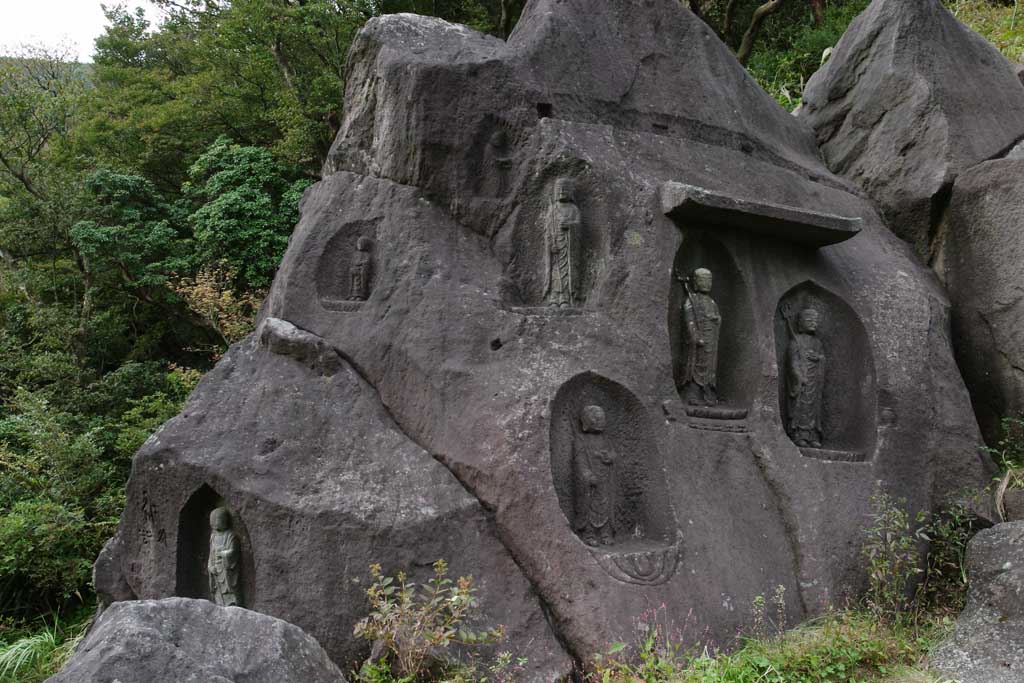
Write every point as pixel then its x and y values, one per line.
pixel 222 565
pixel 805 380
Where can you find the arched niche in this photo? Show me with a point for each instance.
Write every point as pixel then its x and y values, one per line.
pixel 192 579
pixel 848 394
pixel 737 365
pixel 629 482
pixel 334 268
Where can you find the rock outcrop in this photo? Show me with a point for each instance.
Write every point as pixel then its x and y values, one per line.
pixel 193 641
pixel 920 112
pixel 513 351
pixel 987 645
pixel 910 99
pixel 982 263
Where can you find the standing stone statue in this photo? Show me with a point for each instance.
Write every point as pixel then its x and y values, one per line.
pixel 360 271
pixel 593 466
pixel 223 563
pixel 805 379
pixel 701 326
pixel 563 225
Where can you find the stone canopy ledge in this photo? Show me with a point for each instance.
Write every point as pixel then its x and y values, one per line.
pixel 680 201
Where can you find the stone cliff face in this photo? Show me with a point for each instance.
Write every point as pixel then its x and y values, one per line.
pixel 922 113
pixel 429 401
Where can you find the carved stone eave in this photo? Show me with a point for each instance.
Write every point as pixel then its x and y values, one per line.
pixel 680 201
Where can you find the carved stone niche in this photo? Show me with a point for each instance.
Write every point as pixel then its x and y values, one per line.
pixel 557 246
pixel 610 481
pixel 736 365
pixel 827 389
pixel 491 163
pixel 349 257
pixel 193 552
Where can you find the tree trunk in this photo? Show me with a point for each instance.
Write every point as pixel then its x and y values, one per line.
pixel 818 7
pixel 505 22
pixel 750 37
pixel 730 16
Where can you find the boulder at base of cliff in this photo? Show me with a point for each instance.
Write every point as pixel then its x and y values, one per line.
pixel 988 643
pixel 179 640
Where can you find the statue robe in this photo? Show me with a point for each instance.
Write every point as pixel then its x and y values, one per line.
pixel 359 276
pixel 805 383
pixel 593 464
pixel 563 224
pixel 701 321
pixel 222 567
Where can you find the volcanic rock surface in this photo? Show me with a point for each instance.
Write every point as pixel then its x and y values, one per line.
pixel 987 645
pixel 910 99
pixel 193 641
pixel 983 267
pixel 913 106
pixel 441 417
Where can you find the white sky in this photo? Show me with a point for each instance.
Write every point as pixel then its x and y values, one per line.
pixel 52 22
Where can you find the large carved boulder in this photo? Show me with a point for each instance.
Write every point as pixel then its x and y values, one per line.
pixel 910 99
pixel 516 373
pixel 908 106
pixel 183 641
pixel 987 645
pixel 983 267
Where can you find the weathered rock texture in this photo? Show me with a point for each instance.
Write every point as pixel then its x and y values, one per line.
pixel 987 645
pixel 983 267
pixel 910 107
pixel 449 149
pixel 910 99
pixel 193 641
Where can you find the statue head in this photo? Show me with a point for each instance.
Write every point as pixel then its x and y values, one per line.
pixel 702 280
pixel 808 321
pixel 364 243
pixel 220 519
pixel 565 190
pixel 592 420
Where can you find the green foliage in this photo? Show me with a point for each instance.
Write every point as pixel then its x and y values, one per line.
pixel 1002 24
pixel 248 205
pixel 891 555
pixel 944 588
pixel 415 623
pixel 32 657
pixel 840 647
pixel 794 50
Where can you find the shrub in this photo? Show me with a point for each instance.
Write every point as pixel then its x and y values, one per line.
pixel 416 624
pixel 890 552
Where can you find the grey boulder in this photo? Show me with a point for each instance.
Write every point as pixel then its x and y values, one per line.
pixel 987 645
pixel 982 263
pixel 178 640
pixel 910 99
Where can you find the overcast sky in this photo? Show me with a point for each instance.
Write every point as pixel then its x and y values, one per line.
pixel 52 22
